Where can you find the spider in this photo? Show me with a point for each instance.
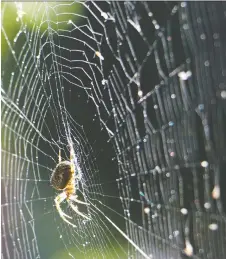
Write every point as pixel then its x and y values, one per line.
pixel 63 179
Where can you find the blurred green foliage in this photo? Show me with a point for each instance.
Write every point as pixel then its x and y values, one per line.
pixel 107 253
pixel 38 16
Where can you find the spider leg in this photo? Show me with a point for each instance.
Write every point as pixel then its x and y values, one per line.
pixel 59 156
pixel 75 208
pixel 72 159
pixel 74 198
pixel 61 197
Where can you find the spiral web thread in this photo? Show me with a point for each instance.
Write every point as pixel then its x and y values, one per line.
pixel 150 143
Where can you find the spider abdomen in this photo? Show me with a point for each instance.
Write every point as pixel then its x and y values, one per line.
pixel 61 175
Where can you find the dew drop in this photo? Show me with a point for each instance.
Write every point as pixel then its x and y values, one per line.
pixel 140 93
pixel 150 14
pixel 201 107
pixel 216 192
pixel 147 210
pixel 172 154
pixel 213 226
pixel 184 211
pixel 99 55
pixel 184 75
pixel 202 36
pixel 185 26
pixel 188 249
pixel 223 94
pixel 157 26
pixel 105 15
pixel 207 205
pixel 207 63
pixel 173 96
pixel 204 163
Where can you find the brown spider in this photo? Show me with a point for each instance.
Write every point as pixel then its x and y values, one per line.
pixel 63 179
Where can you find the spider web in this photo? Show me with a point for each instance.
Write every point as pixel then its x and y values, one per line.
pixel 139 89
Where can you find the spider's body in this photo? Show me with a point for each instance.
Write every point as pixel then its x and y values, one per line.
pixel 61 175
pixel 64 179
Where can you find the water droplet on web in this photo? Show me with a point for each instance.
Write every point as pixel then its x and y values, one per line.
pixel 172 154
pixel 171 123
pixel 184 75
pixel 150 14
pixel 172 192
pixel 157 26
pixel 207 205
pixel 156 106
pixel 147 210
pixel 223 94
pixel 207 63
pixel 204 163
pixel 185 26
pixel 173 96
pixel 99 55
pixel 184 211
pixel 140 93
pixel 103 82
pixel 155 215
pixel 60 236
pixel 201 107
pixel 202 36
pixel 188 248
pixel 105 15
pixel 213 226
pixel 216 36
pixel 216 192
